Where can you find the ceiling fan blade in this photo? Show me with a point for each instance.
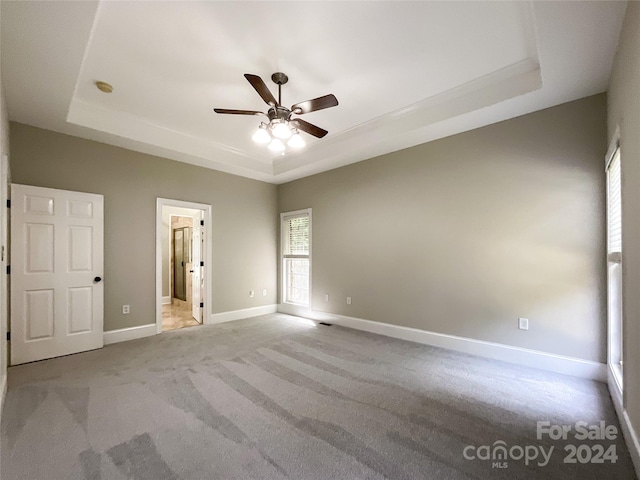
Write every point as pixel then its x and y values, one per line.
pixel 310 128
pixel 260 87
pixel 237 112
pixel 316 104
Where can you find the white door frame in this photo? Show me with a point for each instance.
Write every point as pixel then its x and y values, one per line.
pixel 206 254
pixel 5 184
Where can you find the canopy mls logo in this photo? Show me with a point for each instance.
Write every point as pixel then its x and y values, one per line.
pixel 500 453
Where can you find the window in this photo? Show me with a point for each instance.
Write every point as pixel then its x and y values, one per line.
pixel 614 265
pixel 296 257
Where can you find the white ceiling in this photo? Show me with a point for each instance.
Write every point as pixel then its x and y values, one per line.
pixel 404 72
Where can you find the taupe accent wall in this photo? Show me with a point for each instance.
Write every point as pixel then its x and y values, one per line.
pixel 244 218
pixel 624 112
pixel 464 235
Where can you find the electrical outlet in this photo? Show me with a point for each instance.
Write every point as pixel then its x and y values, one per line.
pixel 348 300
pixel 326 297
pixel 125 309
pixel 523 323
pixel 251 293
pixel 264 292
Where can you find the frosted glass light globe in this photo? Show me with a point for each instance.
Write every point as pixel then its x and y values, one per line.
pixel 261 135
pixel 276 145
pixel 296 141
pixel 281 130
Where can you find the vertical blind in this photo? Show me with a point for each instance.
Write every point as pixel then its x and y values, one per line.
pixel 296 235
pixel 614 205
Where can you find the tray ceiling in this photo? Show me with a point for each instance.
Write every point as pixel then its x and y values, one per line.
pixel 404 72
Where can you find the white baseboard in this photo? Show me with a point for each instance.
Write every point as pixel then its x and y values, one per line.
pixel 631 438
pixel 131 333
pixel 240 314
pixel 3 392
pixel 498 351
pixel 166 300
pixel 628 431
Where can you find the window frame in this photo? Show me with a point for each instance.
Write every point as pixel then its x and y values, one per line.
pixel 283 281
pixel 615 342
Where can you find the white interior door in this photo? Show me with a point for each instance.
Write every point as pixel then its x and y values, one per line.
pixel 196 279
pixel 57 292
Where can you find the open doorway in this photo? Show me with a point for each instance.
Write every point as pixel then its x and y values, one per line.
pixel 181 278
pixel 182 270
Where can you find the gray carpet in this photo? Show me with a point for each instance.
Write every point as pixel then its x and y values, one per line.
pixel 272 398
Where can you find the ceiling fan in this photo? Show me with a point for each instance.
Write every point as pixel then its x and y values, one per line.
pixel 280 125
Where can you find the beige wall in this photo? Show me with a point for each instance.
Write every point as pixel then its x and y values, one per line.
pixel 624 112
pixel 464 235
pixel 243 230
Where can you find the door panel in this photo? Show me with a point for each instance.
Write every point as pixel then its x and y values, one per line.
pixel 39 314
pixel 37 205
pixel 80 249
pixel 57 250
pixel 79 209
pixel 40 249
pixel 80 308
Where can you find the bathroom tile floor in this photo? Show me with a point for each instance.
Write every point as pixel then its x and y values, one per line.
pixel 177 316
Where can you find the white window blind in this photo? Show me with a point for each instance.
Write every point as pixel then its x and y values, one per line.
pixel 614 206
pixel 296 235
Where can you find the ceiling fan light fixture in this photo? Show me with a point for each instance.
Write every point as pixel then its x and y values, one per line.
pixel 261 135
pixel 280 130
pixel 276 145
pixel 296 141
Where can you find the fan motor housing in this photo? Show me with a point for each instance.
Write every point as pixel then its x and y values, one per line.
pixel 279 113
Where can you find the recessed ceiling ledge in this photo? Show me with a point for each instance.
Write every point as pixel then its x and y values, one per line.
pixel 515 80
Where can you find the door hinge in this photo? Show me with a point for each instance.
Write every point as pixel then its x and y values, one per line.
pixel 201 304
pixel 8 269
pixel 202 223
pixel 8 203
pixel 8 336
pixel 201 263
